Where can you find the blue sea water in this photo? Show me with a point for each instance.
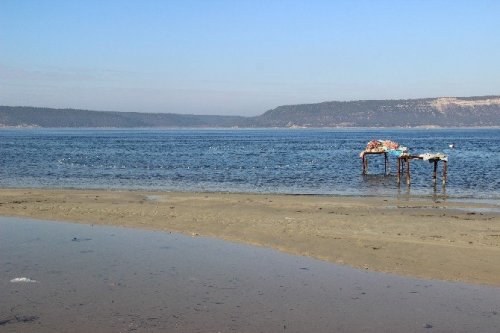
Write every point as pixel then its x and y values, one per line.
pixel 291 161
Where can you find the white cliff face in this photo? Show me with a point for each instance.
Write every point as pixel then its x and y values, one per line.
pixel 442 103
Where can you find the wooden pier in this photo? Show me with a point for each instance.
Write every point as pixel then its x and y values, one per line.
pixel 404 163
pixel 364 160
pixel 385 147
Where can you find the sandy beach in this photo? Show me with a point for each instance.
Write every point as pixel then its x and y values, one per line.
pixel 436 239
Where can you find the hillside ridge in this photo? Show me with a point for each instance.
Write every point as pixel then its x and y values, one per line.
pixel 476 111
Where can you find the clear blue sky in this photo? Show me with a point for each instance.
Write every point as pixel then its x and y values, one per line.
pixel 243 57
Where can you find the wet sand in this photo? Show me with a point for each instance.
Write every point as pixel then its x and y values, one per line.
pixel 106 279
pixel 424 238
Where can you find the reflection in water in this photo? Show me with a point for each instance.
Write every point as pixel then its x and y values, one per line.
pixel 104 279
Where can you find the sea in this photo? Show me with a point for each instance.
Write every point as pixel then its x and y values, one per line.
pixel 274 161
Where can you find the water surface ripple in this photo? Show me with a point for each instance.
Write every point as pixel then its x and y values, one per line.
pixel 312 161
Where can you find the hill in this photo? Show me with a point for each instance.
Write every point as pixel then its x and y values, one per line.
pixel 23 116
pixel 442 112
pixel 428 112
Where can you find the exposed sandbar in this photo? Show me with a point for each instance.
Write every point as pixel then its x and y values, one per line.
pixel 452 241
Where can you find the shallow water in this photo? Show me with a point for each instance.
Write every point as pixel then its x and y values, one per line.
pixel 105 279
pixel 312 161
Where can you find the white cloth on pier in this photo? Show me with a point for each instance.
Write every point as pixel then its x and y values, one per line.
pixel 434 156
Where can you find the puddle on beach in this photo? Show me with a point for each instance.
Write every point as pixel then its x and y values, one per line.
pixel 469 210
pixel 466 205
pixel 156 198
pixel 82 278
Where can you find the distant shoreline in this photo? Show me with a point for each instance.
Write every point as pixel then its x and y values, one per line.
pixel 403 196
pixel 256 128
pixel 473 111
pixel 446 240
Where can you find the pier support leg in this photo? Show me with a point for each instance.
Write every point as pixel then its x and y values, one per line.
pixel 399 170
pixel 445 172
pixel 408 177
pixel 385 164
pixel 434 175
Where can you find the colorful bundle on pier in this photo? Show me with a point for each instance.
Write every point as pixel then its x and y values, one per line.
pixel 384 146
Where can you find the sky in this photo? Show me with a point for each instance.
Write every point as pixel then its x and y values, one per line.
pixel 243 57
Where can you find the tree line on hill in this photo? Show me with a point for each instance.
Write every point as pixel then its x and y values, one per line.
pixel 428 112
